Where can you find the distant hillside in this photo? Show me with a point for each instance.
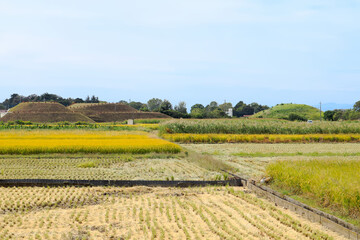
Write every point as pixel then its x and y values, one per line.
pixel 112 112
pixel 39 112
pixel 282 111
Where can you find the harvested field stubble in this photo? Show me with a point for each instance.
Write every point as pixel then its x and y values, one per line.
pixel 100 167
pixel 147 213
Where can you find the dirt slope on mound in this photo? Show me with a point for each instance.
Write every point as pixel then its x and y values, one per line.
pixel 37 107
pixel 101 107
pixel 112 112
pixel 43 112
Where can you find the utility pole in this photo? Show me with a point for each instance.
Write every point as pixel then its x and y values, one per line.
pixel 320 112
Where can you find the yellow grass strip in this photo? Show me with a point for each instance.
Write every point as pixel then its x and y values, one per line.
pixel 260 138
pixel 86 142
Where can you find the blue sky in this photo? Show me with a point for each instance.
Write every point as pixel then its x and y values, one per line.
pixel 196 51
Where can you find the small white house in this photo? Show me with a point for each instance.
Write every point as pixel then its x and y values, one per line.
pixel 3 113
pixel 229 112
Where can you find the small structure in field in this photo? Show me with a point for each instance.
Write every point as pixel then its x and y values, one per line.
pixel 3 113
pixel 229 112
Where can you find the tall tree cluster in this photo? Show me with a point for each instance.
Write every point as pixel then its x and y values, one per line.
pixel 15 99
pixel 343 114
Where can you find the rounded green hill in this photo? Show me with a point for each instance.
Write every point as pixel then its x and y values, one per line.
pixel 282 111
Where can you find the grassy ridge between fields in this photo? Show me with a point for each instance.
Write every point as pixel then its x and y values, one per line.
pixel 260 138
pixel 260 126
pixel 333 184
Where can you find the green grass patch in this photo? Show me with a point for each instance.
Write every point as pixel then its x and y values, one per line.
pixel 90 164
pixel 310 154
pixel 282 111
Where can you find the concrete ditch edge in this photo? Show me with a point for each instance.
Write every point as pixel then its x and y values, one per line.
pixel 119 183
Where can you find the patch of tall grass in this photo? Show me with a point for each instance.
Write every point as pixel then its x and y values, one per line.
pixel 257 126
pixel 331 183
pixel 260 138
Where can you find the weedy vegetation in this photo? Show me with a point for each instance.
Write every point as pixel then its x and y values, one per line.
pixel 257 126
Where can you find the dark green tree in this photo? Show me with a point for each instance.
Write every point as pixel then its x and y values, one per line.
pixel 154 104
pixel 357 106
pixel 165 106
pixel 136 105
pixel 181 107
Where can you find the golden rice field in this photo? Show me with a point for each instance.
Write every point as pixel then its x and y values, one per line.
pixel 52 141
pixel 333 183
pixel 260 138
pixel 147 213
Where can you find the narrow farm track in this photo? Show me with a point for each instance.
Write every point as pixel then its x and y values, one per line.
pixel 147 213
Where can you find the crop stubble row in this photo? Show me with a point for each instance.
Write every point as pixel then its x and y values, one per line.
pixel 138 213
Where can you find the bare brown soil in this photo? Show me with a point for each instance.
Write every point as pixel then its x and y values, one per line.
pixel 112 112
pixel 39 112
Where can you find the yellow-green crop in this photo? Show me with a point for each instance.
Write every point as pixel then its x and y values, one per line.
pixel 32 142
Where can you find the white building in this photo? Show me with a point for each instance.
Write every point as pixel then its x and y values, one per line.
pixel 3 113
pixel 229 112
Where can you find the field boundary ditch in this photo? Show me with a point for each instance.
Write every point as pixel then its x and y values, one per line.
pixel 314 215
pixel 118 183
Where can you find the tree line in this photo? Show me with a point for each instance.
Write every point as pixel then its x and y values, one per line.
pixel 180 110
pixel 15 99
pixel 343 114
